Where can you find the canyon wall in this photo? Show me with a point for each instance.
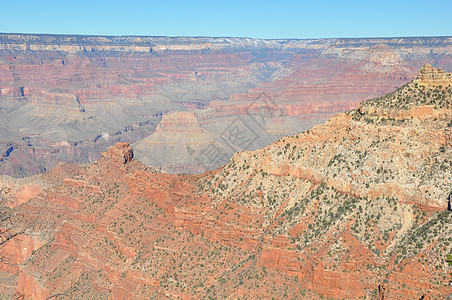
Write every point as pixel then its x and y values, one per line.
pixel 358 207
pixel 68 98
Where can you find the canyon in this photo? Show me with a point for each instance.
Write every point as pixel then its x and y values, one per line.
pixel 68 98
pixel 358 207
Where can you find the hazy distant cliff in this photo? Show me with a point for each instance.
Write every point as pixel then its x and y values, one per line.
pixel 68 98
pixel 77 43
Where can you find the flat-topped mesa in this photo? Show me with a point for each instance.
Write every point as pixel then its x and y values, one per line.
pixel 121 153
pixel 428 95
pixel 429 76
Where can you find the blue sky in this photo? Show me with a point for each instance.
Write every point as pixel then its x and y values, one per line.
pixel 259 19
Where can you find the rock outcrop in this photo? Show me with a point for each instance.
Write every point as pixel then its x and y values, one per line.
pixel 431 77
pixel 427 96
pixel 121 153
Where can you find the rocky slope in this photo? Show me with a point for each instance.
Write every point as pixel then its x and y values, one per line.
pixel 97 91
pixel 358 207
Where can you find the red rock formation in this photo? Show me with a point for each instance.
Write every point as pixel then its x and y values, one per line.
pixel 344 210
pixel 122 153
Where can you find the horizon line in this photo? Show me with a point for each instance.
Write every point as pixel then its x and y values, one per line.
pixel 219 37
